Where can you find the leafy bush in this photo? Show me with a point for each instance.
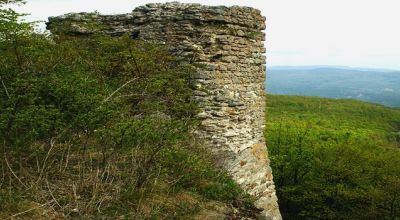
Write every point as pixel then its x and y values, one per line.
pixel 98 126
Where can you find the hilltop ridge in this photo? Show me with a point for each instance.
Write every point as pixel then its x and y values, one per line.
pixel 370 85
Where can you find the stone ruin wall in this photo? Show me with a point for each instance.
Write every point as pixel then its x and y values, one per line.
pixel 228 42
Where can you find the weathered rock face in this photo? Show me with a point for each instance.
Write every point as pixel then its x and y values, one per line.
pixel 228 41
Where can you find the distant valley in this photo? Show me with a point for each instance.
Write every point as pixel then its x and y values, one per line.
pixel 379 86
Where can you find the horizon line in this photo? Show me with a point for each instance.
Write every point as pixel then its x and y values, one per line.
pixel 319 66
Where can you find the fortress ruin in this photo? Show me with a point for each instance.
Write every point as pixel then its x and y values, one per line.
pixel 229 43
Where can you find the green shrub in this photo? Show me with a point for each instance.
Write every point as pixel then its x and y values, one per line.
pixel 99 127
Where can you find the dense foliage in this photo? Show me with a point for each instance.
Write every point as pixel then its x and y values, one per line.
pixel 334 159
pixel 98 127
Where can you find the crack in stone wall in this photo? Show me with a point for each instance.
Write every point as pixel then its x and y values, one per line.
pixel 228 42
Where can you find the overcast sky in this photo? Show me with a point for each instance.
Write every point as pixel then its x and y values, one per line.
pixel 361 33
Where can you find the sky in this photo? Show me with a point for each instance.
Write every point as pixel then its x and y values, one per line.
pixel 357 33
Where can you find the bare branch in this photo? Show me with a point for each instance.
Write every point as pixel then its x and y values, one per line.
pixel 15 175
pixel 52 196
pixel 52 142
pixel 4 87
pixel 29 210
pixel 117 90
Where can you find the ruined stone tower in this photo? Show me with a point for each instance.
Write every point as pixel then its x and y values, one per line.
pixel 228 41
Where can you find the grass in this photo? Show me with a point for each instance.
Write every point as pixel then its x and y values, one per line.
pixel 183 185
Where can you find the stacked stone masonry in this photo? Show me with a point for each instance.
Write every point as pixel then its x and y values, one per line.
pixel 228 42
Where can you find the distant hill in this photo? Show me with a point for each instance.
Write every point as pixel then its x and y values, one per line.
pixel 380 86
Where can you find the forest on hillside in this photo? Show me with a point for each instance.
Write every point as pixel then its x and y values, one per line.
pixel 334 159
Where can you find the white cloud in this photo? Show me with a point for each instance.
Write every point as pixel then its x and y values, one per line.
pixel 337 32
pixel 388 90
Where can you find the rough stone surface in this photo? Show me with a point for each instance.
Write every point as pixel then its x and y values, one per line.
pixel 228 41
